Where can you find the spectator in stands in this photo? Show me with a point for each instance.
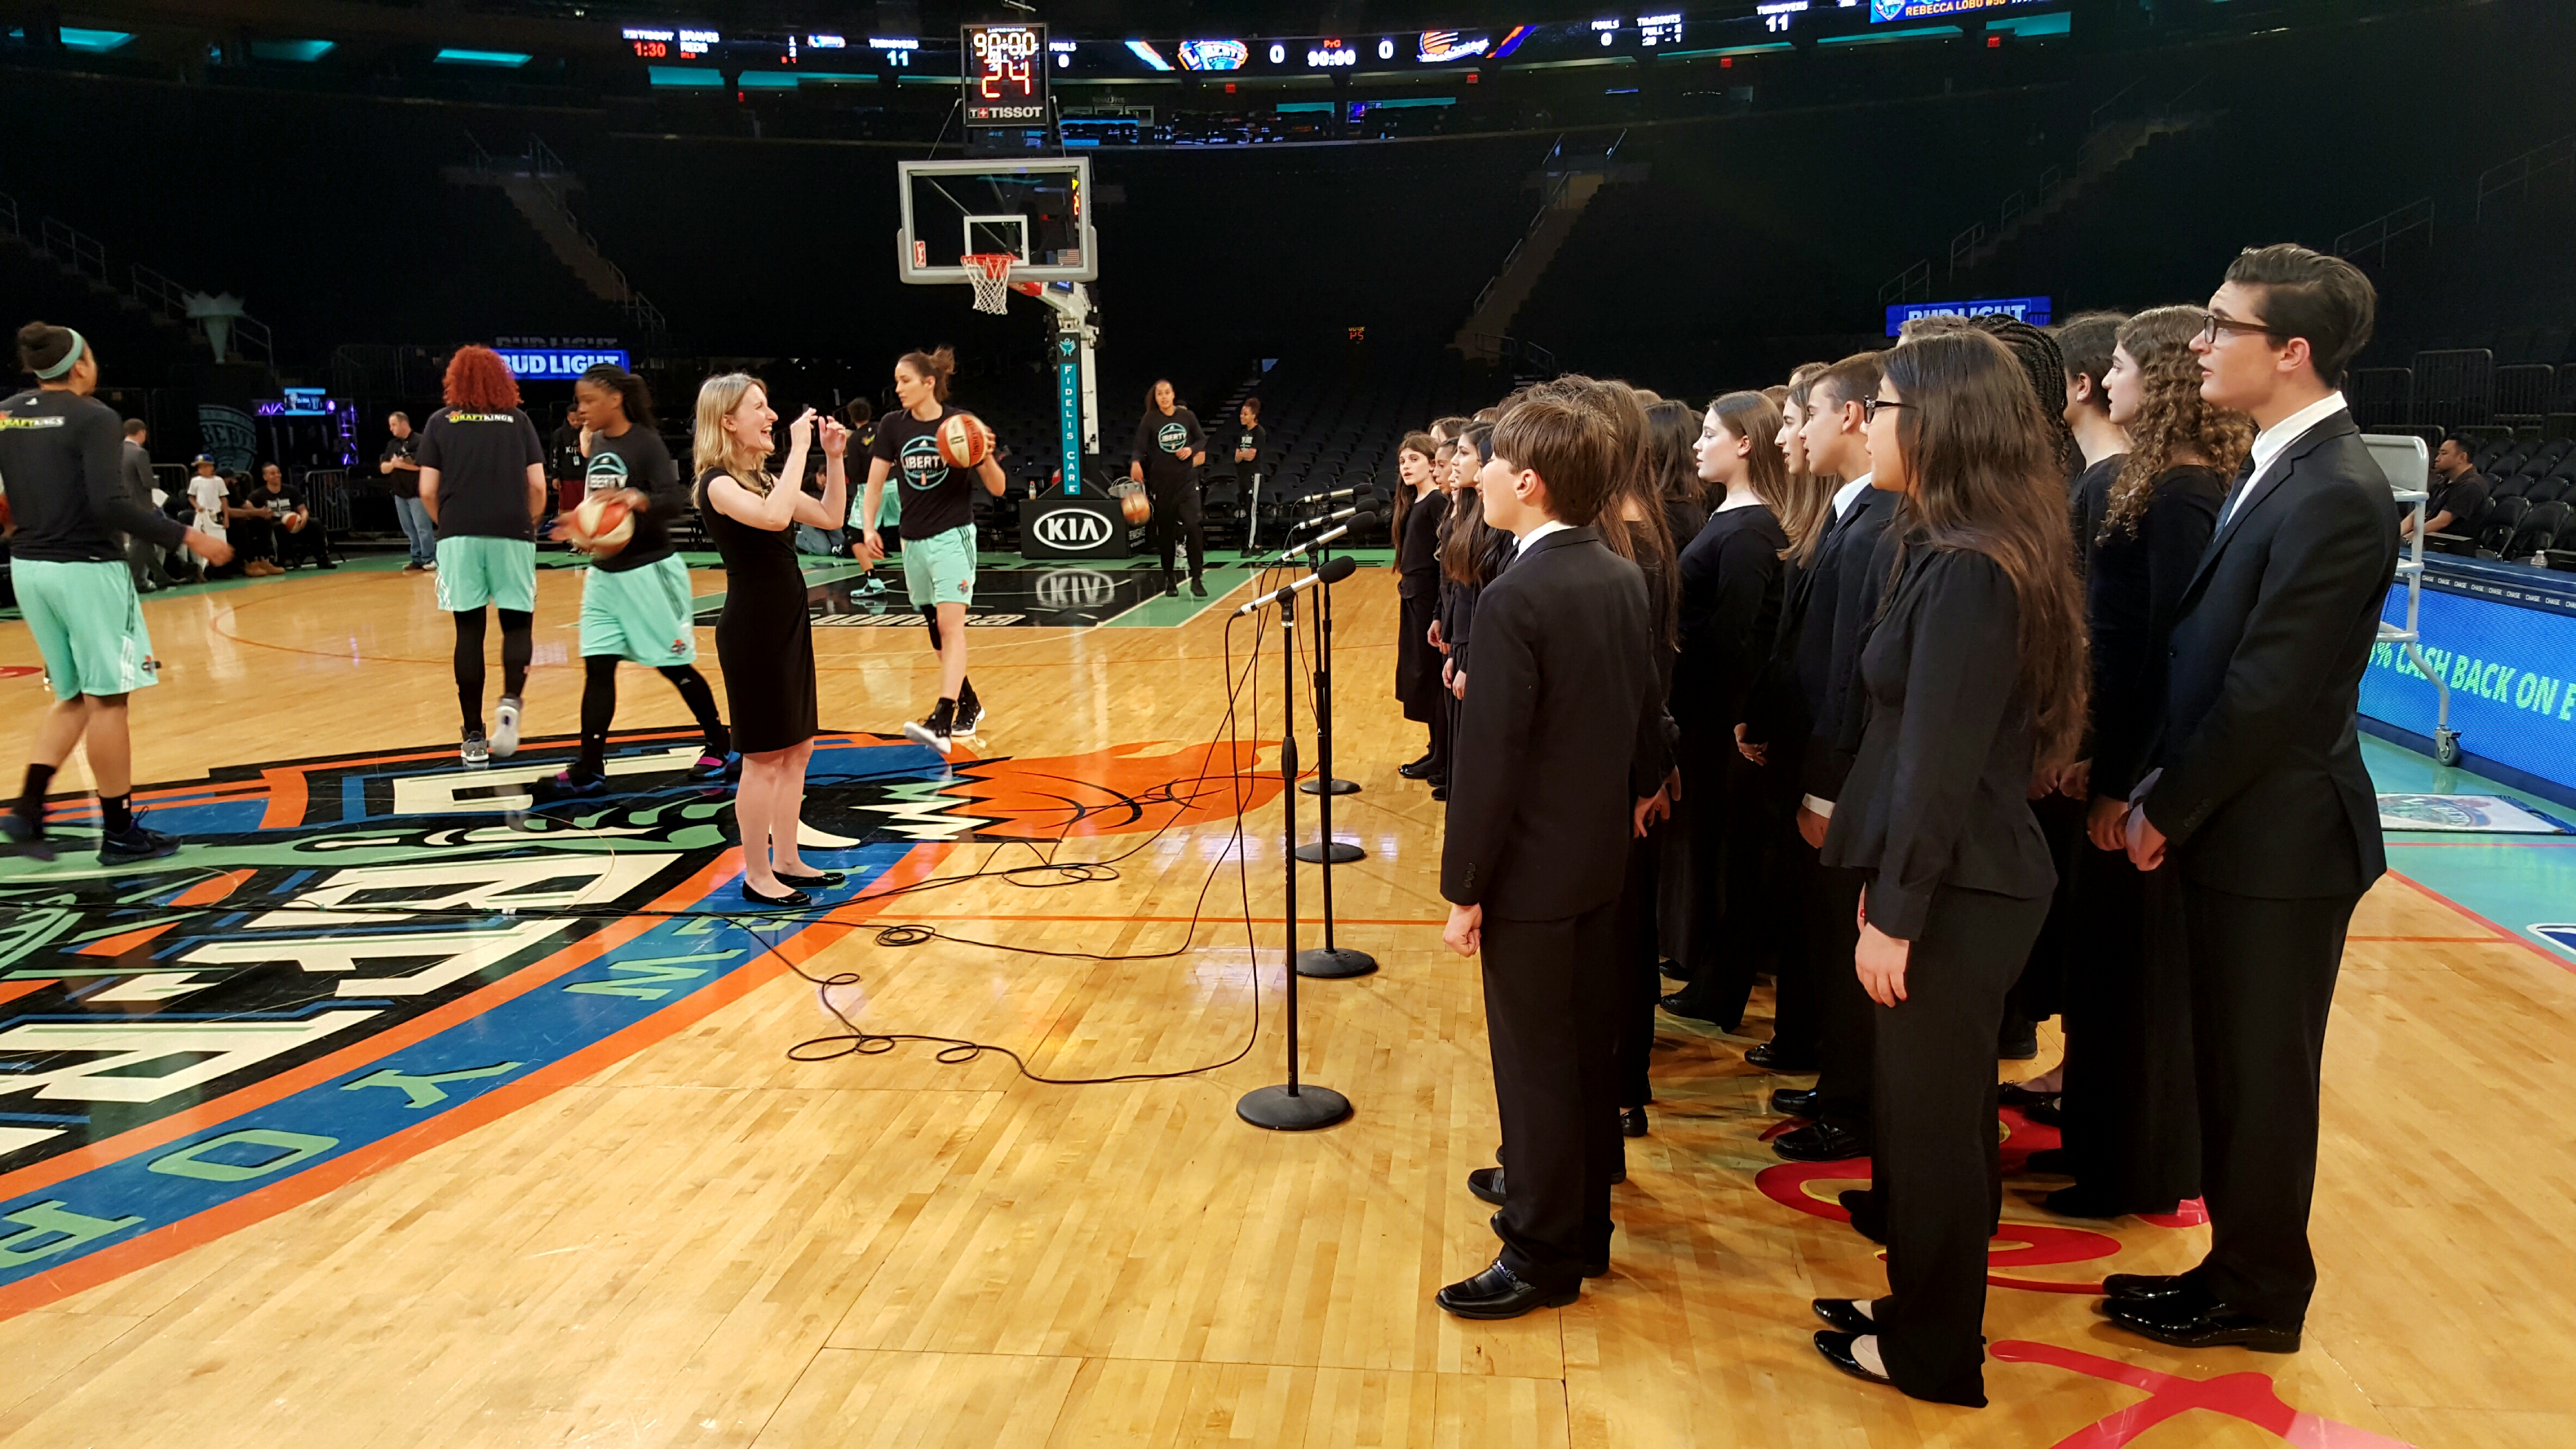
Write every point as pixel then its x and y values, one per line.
pixel 2459 493
pixel 141 555
pixel 401 465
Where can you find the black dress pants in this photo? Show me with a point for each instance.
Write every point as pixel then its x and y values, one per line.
pixel 2262 981
pixel 1732 930
pixel 1797 1027
pixel 1936 1166
pixel 1845 1016
pixel 1641 977
pixel 1552 1005
pixel 2132 1124
pixel 1177 521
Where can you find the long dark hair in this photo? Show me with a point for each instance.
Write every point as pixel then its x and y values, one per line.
pixel 2172 419
pixel 632 394
pixel 1807 499
pixel 1983 468
pixel 1672 435
pixel 1413 443
pixel 1469 539
pixel 937 365
pixel 1750 416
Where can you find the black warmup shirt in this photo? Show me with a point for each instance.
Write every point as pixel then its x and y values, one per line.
pixel 1164 442
pixel 279 504
pixel 1222 462
pixel 637 459
pixel 404 481
pixel 482 459
pixel 2461 498
pixel 63 457
pixel 936 497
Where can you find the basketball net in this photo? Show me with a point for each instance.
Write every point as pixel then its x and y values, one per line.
pixel 991 274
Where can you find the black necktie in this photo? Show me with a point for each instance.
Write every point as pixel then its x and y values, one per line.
pixel 2244 478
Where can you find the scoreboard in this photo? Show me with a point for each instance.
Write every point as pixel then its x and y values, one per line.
pixel 1005 72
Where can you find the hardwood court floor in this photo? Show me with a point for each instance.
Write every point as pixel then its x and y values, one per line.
pixel 709 1244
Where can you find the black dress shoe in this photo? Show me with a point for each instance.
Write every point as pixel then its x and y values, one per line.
pixel 1440 791
pixel 2050 1162
pixel 1419 769
pixel 2051 1113
pixel 1632 1121
pixel 2212 1325
pixel 823 881
pixel 1820 1142
pixel 1487 1184
pixel 1496 1293
pixel 1686 1006
pixel 1674 970
pixel 1867 1210
pixel 2153 1288
pixel 1837 1349
pixel 792 900
pixel 1770 1056
pixel 1843 1315
pixel 1794 1101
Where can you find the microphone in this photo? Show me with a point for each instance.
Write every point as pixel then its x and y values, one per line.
pixel 1362 520
pixel 1354 511
pixel 1333 572
pixel 1328 497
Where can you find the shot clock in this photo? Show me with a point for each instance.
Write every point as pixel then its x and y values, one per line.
pixel 1005 73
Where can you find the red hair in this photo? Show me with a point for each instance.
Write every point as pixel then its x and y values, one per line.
pixel 478 378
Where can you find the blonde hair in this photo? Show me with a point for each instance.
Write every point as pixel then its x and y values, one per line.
pixel 714 447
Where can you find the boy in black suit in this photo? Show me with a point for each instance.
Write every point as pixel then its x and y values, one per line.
pixel 1560 756
pixel 2260 801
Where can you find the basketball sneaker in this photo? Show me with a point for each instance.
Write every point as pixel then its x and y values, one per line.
pixel 27 835
pixel 136 842
pixel 568 786
pixel 727 766
pixel 505 728
pixel 476 750
pixel 937 729
pixel 872 585
pixel 970 718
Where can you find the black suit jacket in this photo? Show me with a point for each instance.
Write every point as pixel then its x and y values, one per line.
pixel 2263 792
pixel 1938 793
pixel 1561 734
pixel 1838 620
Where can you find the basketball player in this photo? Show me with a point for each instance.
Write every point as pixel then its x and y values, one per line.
pixel 938 529
pixel 1169 443
pixel 859 418
pixel 635 600
pixel 61 453
pixel 483 480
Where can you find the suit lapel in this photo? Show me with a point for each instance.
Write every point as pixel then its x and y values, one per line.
pixel 2258 491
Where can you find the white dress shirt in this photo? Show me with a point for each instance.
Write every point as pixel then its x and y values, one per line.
pixel 1553 525
pixel 2269 443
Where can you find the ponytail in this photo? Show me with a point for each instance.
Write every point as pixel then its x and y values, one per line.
pixel 939 364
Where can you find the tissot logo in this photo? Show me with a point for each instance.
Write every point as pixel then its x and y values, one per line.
pixel 1072 528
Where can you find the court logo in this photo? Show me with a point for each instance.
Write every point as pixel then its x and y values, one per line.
pixel 1071 528
pixel 1076 589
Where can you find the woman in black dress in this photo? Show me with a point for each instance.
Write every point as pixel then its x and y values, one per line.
pixel 763 640
pixel 1470 555
pixel 1971 677
pixel 1730 610
pixel 2132 1136
pixel 1417 567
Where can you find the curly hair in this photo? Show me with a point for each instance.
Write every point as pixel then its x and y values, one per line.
pixel 2172 422
pixel 478 378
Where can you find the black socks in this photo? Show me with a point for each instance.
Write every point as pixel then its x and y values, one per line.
pixel 598 711
pixel 966 701
pixel 116 813
pixel 701 701
pixel 31 800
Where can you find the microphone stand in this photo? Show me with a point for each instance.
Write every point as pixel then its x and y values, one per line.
pixel 1332 960
pixel 1295 1107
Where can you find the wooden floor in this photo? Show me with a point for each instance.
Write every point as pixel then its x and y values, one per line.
pixel 709 1244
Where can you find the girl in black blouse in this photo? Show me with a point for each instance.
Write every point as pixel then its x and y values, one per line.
pixel 1730 608
pixel 2131 1133
pixel 1971 677
pixel 1417 567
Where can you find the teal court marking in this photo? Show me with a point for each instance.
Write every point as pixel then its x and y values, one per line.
pixel 2524 884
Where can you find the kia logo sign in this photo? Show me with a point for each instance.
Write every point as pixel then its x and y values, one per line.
pixel 1075 588
pixel 1070 528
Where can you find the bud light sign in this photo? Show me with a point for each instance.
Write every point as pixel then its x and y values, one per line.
pixel 2033 310
pixel 541 363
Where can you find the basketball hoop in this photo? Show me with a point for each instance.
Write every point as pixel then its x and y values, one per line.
pixel 991 274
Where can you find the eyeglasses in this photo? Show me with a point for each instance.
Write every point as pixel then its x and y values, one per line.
pixel 2213 323
pixel 1869 407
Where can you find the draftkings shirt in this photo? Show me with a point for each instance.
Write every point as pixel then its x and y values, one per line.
pixel 63 455
pixel 637 459
pixel 936 497
pixel 482 457
pixel 1164 442
pixel 404 481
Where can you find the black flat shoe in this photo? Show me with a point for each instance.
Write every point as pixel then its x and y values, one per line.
pixel 1487 1184
pixel 1686 1006
pixel 1795 1102
pixel 1440 791
pixel 1843 1315
pixel 1632 1121
pixel 2213 1325
pixel 1419 769
pixel 1837 1349
pixel 824 881
pixel 2152 1288
pixel 1770 1056
pixel 793 900
pixel 1674 970
pixel 1496 1293
pixel 1820 1142
pixel 2051 1113
pixel 1868 1214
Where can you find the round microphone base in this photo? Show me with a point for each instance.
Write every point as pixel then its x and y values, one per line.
pixel 1293 1109
pixel 1344 853
pixel 1334 964
pixel 1340 787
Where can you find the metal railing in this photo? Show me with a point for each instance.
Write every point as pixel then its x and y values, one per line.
pixel 1914 284
pixel 76 251
pixel 542 166
pixel 328 491
pixel 2375 234
pixel 2518 173
pixel 158 293
pixel 1964 243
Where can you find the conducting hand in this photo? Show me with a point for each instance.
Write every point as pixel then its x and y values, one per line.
pixel 1758 754
pixel 1465 933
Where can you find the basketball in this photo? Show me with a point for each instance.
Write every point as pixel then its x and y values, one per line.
pixel 964 441
pixel 601 525
pixel 1136 505
pixel 294 523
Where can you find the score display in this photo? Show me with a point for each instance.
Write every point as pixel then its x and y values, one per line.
pixel 1005 72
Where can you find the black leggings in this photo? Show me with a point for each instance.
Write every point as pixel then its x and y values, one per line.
pixel 518 643
pixel 599 709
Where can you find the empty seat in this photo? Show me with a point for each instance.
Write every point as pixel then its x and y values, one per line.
pixel 2502 518
pixel 2541 529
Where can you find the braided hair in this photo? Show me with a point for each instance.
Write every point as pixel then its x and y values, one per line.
pixel 2038 354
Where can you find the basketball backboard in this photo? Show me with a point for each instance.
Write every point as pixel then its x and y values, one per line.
pixel 1039 210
